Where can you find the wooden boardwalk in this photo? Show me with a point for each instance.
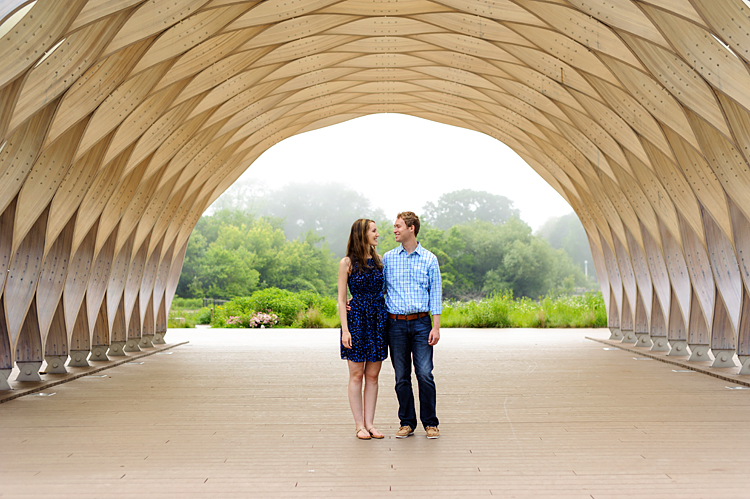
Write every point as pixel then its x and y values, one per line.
pixel 524 413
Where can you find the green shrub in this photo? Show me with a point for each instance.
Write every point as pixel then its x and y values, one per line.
pixel 310 310
pixel 204 316
pixel 187 303
pixel 325 304
pixel 283 303
pixel 310 318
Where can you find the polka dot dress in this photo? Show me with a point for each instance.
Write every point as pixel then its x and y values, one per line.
pixel 367 317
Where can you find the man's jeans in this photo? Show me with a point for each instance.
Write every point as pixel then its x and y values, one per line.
pixel 408 339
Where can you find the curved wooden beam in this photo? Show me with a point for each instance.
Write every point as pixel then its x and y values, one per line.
pixel 121 121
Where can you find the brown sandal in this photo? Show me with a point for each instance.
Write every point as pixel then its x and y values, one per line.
pixel 372 434
pixel 368 437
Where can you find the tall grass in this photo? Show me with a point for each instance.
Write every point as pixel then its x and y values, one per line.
pixel 307 310
pixel 504 311
pixel 186 318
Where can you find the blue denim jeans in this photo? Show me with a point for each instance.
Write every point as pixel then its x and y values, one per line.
pixel 408 340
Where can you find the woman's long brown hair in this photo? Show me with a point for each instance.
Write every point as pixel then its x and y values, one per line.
pixel 358 249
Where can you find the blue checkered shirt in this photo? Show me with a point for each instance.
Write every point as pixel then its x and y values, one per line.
pixel 412 281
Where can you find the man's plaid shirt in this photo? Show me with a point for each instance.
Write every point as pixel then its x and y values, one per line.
pixel 412 281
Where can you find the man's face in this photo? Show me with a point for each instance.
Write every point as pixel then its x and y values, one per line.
pixel 401 231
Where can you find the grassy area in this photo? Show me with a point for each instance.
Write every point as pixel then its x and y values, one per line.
pixel 504 311
pixel 310 310
pixel 188 317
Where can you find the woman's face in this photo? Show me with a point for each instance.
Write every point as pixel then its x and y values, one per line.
pixel 372 234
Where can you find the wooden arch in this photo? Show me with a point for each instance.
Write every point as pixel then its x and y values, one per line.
pixel 121 121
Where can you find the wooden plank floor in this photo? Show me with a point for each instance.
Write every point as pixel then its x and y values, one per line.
pixel 524 413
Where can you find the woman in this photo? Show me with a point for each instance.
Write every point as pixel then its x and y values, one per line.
pixel 363 341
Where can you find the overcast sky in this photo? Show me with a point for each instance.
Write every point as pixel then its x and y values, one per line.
pixel 400 162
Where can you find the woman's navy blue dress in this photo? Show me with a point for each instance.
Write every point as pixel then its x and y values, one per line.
pixel 367 317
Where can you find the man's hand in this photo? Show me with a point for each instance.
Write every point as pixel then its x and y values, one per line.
pixel 435 332
pixel 434 337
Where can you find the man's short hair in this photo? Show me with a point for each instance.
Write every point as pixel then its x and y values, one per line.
pixel 410 219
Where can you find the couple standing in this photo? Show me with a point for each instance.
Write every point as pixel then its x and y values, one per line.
pixel 410 277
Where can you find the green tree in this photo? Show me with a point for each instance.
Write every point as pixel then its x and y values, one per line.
pixel 326 210
pixel 188 286
pixel 466 206
pixel 304 265
pixel 228 273
pixel 525 269
pixel 479 247
pixel 248 254
pixel 567 233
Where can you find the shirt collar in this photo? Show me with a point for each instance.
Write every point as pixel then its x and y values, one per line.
pixel 417 250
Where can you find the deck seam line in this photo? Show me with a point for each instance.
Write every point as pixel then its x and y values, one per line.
pixel 684 364
pixel 73 376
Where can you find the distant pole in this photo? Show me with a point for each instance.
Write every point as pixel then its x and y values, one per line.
pixel 586 267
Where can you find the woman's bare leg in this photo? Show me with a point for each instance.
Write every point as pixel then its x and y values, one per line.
pixel 371 371
pixel 356 371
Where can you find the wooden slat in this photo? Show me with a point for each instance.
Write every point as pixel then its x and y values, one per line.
pixel 635 112
pixel 24 270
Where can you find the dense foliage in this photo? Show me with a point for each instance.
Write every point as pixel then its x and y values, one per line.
pixel 326 210
pixel 233 254
pixel 281 308
pixel 302 309
pixel 480 258
pixel 500 311
pixel 466 206
pixel 482 245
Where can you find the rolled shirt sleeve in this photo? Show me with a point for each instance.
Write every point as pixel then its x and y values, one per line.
pixel 436 288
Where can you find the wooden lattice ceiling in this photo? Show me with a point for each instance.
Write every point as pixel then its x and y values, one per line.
pixel 121 121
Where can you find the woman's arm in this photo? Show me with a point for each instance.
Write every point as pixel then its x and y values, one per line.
pixel 344 266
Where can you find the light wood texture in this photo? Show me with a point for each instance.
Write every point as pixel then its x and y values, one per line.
pixel 569 420
pixel 122 120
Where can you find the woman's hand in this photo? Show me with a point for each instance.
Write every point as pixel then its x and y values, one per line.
pixel 346 339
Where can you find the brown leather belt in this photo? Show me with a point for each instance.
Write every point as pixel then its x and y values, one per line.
pixel 409 317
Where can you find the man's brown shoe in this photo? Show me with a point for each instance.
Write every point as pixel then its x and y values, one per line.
pixel 432 432
pixel 404 431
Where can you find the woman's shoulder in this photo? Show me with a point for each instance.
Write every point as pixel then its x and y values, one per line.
pixel 345 262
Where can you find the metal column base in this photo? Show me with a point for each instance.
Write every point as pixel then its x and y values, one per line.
pixel 116 349
pixel 643 340
pixel 678 348
pixel 745 361
pixel 78 358
pixel 99 353
pixel 4 373
pixel 723 358
pixel 660 344
pixel 628 337
pixel 56 364
pixel 29 371
pixel 159 338
pixel 699 353
pixel 615 333
pixel 132 345
pixel 146 341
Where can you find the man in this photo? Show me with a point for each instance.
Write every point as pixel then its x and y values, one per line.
pixel 413 292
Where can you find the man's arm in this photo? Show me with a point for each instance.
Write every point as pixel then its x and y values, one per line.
pixel 435 331
pixel 436 302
